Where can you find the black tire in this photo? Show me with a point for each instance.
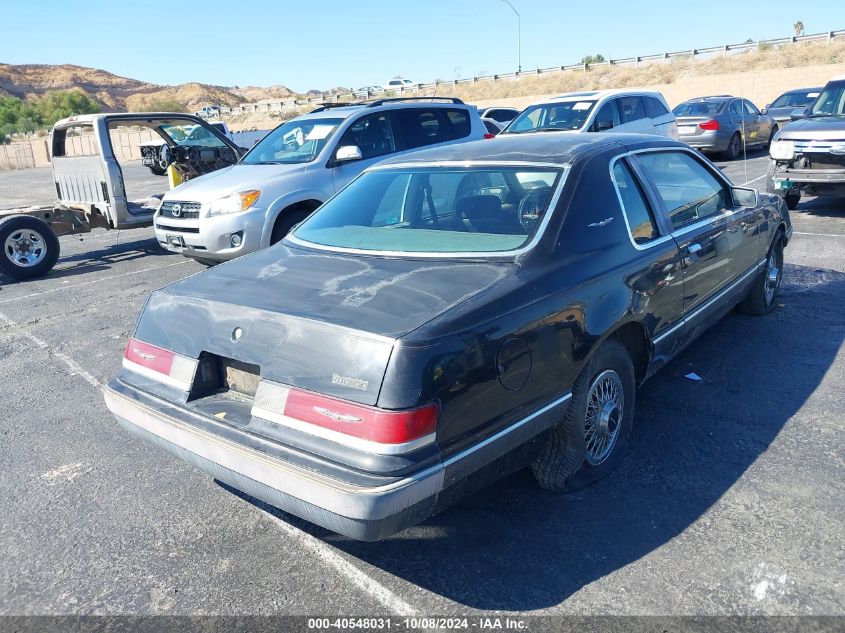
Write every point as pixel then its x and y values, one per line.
pixel 734 147
pixel 792 199
pixel 763 294
pixel 158 171
pixel 771 136
pixel 285 222
pixel 565 464
pixel 36 237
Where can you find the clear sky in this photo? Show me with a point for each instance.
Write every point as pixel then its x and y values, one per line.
pixel 325 43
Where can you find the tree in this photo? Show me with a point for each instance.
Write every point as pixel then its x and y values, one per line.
pixel 799 28
pixel 598 58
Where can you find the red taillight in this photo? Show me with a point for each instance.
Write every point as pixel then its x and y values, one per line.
pixel 159 364
pixel 367 423
pixel 488 135
pixel 712 124
pixel 364 427
pixel 149 356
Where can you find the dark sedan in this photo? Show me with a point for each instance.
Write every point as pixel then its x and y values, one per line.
pixel 449 317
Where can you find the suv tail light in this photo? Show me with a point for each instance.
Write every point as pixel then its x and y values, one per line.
pixel 712 124
pixel 367 428
pixel 159 364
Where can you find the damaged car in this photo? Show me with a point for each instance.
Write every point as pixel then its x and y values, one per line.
pixel 90 189
pixel 449 317
pixel 808 155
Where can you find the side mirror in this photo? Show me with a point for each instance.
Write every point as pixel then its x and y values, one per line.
pixel 765 110
pixel 797 113
pixel 744 197
pixel 601 126
pixel 348 153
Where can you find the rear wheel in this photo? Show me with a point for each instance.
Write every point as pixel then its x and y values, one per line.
pixel 30 247
pixel 591 439
pixel 761 297
pixel 734 147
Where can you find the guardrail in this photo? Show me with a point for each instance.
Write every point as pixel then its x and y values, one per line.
pixel 289 105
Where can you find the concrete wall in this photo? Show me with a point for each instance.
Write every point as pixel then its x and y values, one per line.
pixel 760 86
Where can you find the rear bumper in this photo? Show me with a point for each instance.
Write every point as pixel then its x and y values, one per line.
pixel 363 512
pixel 708 140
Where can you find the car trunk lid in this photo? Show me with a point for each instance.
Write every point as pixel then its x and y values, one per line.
pixel 318 321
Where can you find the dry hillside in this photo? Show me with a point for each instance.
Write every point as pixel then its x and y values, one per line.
pixel 120 93
pixel 601 77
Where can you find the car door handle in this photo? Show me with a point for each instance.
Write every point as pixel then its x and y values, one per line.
pixel 692 249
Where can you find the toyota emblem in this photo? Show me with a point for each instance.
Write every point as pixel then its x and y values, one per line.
pixel 176 210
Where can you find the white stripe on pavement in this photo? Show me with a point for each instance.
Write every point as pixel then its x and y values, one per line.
pixel 817 234
pixel 74 367
pixel 94 281
pixel 359 578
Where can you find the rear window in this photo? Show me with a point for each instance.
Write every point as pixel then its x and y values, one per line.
pixel 699 108
pixel 435 210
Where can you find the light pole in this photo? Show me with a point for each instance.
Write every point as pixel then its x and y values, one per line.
pixel 518 35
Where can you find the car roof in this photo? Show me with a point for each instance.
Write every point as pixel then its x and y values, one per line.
pixel 559 148
pixel 599 94
pixel 332 111
pixel 803 90
pixel 712 98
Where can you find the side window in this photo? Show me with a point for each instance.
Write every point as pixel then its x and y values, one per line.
pixel 688 189
pixel 372 134
pixel 459 125
pixel 750 108
pixel 653 108
pixel 608 112
pixel 75 141
pixel 632 108
pixel 736 108
pixel 634 204
pixel 420 127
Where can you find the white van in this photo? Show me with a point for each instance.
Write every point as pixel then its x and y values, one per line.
pixel 635 111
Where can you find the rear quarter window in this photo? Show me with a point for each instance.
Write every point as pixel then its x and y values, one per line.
pixel 653 108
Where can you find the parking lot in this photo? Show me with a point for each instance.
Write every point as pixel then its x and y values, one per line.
pixel 730 500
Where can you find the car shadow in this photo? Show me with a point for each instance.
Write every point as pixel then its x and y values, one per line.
pixel 102 259
pixel 822 207
pixel 514 547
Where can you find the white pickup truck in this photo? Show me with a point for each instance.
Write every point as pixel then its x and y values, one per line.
pixel 156 160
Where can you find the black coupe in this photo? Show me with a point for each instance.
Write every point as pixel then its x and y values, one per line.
pixel 449 317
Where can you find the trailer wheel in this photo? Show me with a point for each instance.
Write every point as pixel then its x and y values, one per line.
pixel 30 247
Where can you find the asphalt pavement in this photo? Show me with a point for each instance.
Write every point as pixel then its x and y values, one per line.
pixel 731 499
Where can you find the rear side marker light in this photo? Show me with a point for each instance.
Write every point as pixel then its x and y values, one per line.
pixel 713 124
pixel 365 428
pixel 489 136
pixel 159 364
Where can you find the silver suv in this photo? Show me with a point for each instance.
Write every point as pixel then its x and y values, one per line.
pixel 297 167
pixel 808 155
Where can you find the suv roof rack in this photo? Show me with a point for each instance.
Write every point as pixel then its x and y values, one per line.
pixel 378 102
pixel 334 104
